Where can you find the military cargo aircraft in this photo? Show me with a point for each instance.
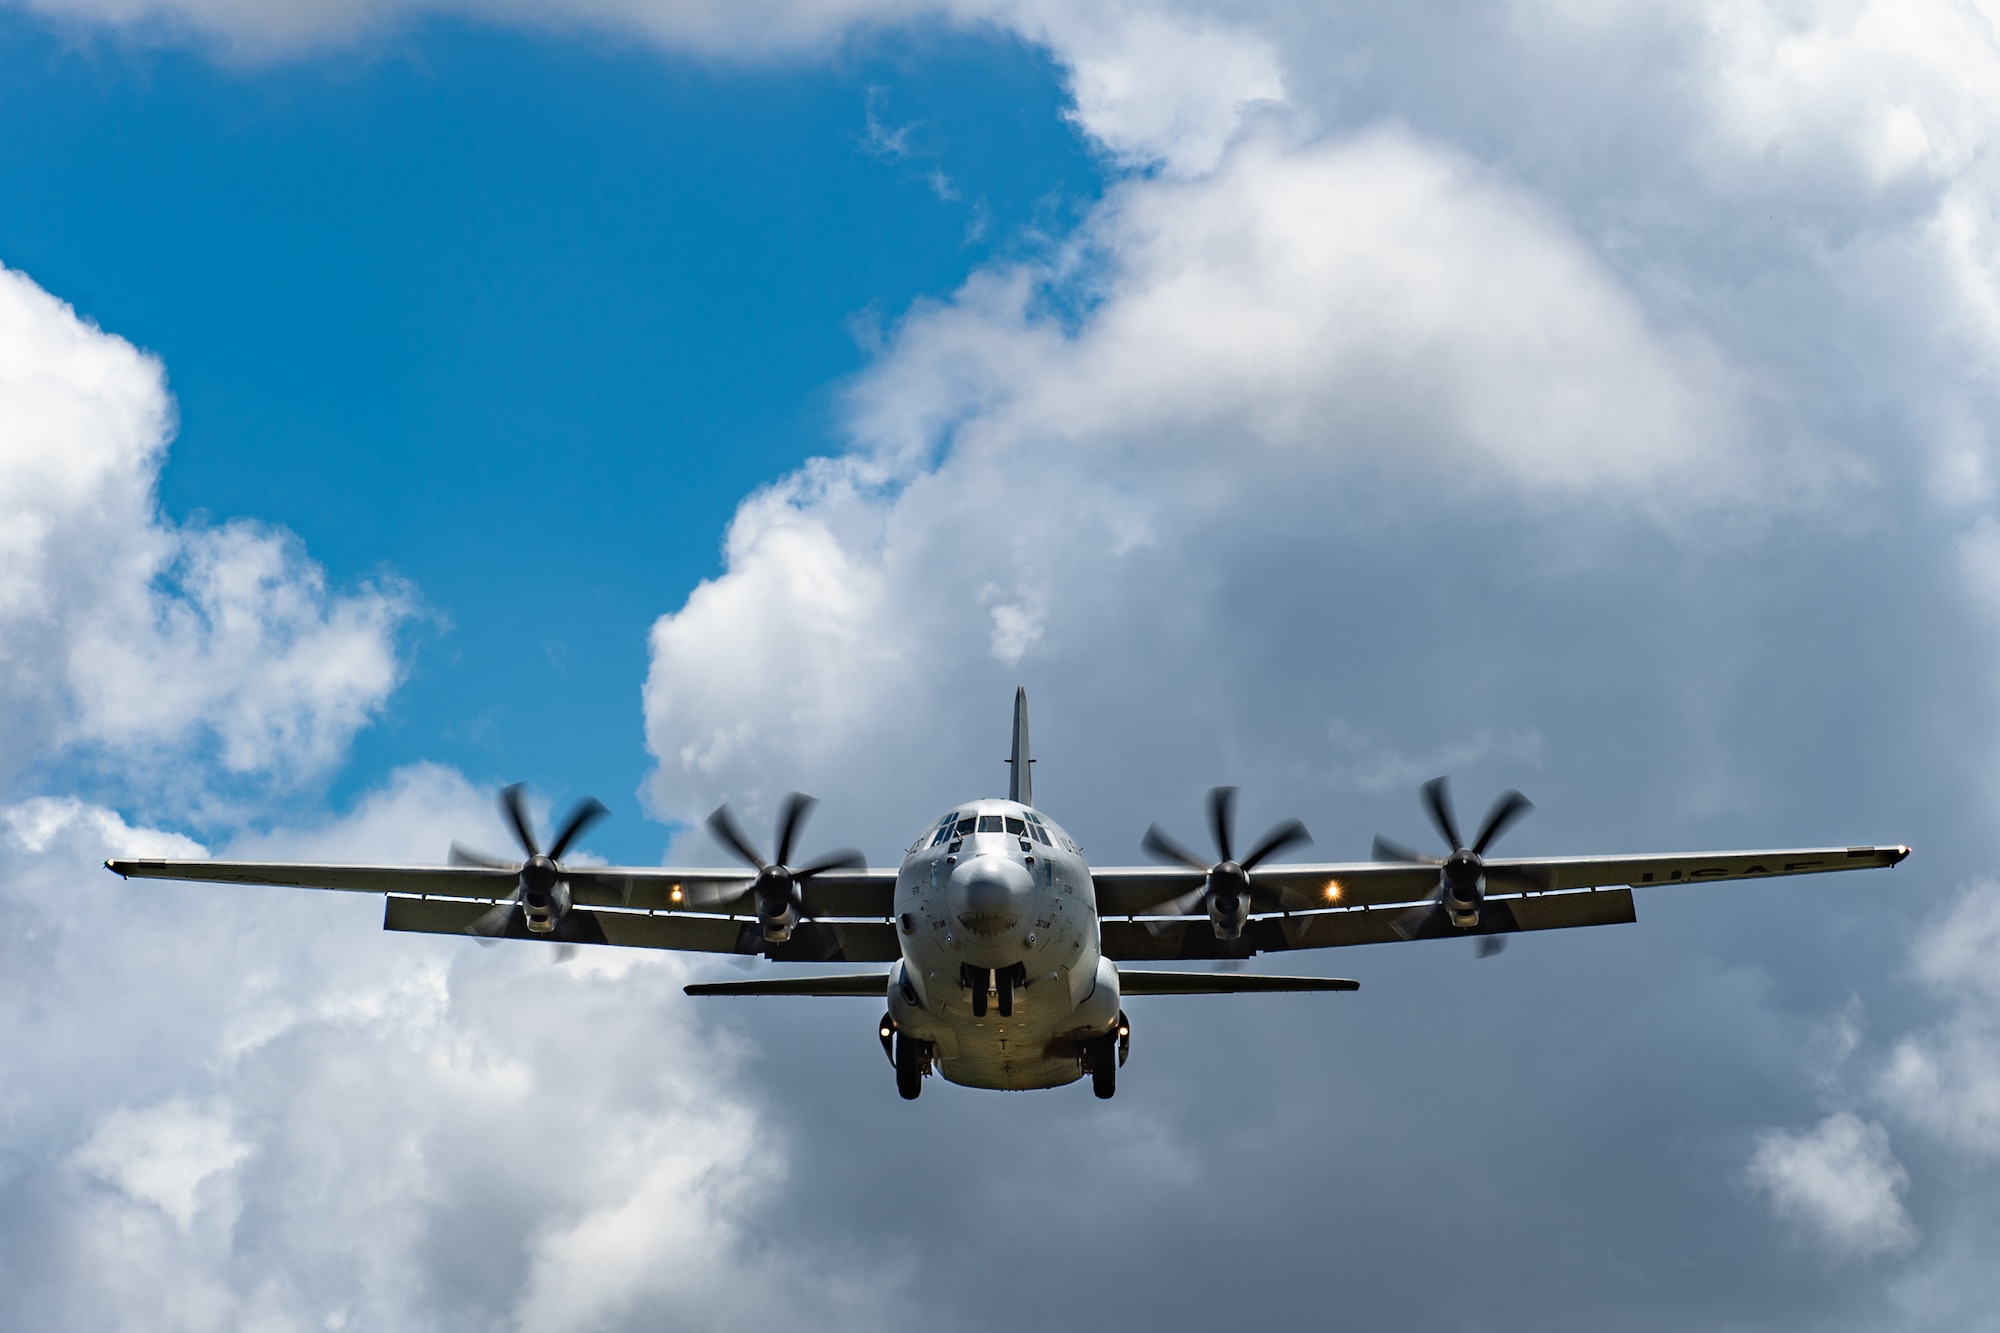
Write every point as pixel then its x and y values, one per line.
pixel 1011 957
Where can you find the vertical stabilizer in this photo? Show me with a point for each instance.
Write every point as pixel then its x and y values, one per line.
pixel 1021 783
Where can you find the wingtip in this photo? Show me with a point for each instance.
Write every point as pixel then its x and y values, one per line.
pixel 112 866
pixel 1902 852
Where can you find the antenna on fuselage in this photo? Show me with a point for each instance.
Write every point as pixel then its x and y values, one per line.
pixel 1021 781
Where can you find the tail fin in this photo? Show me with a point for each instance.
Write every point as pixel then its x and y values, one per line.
pixel 1021 784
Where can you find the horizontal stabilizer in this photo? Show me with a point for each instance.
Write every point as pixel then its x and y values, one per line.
pixel 864 985
pixel 1221 983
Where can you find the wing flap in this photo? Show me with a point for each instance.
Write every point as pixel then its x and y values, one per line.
pixel 1222 983
pixel 1380 884
pixel 813 942
pixel 865 985
pixel 865 894
pixel 1193 938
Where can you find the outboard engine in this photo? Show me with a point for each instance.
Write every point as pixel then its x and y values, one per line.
pixel 1462 888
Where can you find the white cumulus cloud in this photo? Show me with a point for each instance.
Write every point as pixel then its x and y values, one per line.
pixel 124 633
pixel 165 1155
pixel 254 1108
pixel 1054 460
pixel 1947 1077
pixel 1838 1180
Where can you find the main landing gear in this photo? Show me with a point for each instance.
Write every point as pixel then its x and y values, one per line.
pixel 1103 1055
pixel 911 1057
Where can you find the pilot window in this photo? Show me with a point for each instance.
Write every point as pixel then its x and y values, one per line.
pixel 1040 835
pixel 990 824
pixel 942 834
pixel 1016 826
pixel 964 827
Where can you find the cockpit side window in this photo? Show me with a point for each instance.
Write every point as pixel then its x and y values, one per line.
pixel 1015 826
pixel 1041 835
pixel 965 826
pixel 1033 818
pixel 942 833
pixel 990 824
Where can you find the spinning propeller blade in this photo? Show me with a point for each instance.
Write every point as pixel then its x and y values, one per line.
pixel 1226 880
pixel 497 921
pixel 779 884
pixel 1465 868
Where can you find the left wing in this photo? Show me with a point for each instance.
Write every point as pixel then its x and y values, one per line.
pixel 1329 905
pixel 647 907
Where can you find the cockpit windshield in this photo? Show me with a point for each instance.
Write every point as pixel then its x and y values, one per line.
pixel 990 824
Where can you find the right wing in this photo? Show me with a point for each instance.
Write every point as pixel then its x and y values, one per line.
pixel 1334 905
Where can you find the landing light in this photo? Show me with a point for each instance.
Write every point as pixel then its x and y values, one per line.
pixel 675 894
pixel 1333 890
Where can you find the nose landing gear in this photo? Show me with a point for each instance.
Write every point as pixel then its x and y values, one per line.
pixel 992 988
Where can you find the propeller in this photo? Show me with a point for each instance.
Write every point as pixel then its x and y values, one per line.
pixel 1462 875
pixel 779 887
pixel 1226 892
pixel 541 895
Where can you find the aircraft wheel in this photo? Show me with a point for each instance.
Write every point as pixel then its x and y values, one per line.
pixel 1103 1068
pixel 911 1057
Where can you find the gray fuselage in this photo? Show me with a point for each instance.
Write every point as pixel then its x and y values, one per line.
pixel 995 891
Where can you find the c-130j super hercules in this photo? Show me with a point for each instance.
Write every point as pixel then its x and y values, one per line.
pixel 1005 947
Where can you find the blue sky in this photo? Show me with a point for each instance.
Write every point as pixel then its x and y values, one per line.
pixel 683 405
pixel 520 321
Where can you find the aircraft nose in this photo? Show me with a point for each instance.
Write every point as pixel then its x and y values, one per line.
pixel 990 895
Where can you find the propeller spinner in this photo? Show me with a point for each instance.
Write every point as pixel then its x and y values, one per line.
pixel 778 890
pixel 542 895
pixel 1226 894
pixel 1461 889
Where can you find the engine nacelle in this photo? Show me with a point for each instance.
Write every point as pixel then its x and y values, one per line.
pixel 542 911
pixel 1228 900
pixel 778 929
pixel 1462 889
pixel 1228 916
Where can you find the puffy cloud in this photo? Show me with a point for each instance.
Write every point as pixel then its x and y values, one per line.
pixel 1050 456
pixel 122 633
pixel 1380 299
pixel 1153 85
pixel 1947 1078
pixel 251 1107
pixel 164 1155
pixel 1838 1180
pixel 1877 94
